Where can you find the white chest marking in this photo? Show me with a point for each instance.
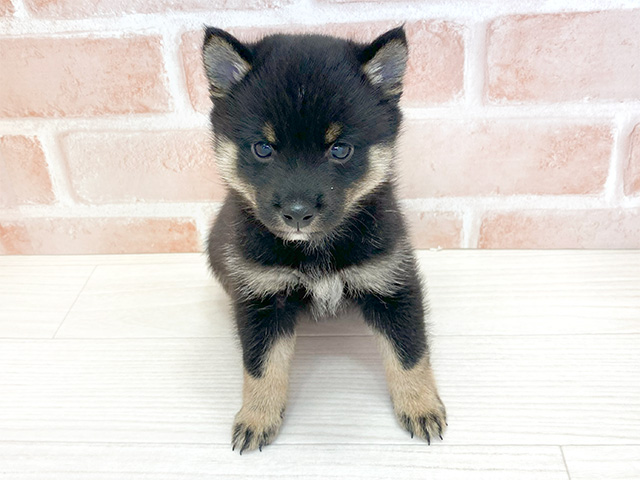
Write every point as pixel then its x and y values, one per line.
pixel 327 294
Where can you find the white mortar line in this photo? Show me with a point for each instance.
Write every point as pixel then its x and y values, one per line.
pixel 91 31
pixel 174 69
pixel 634 121
pixel 202 229
pixel 186 120
pixel 631 202
pixel 299 12
pixel 5 180
pixel 475 65
pixel 471 220
pixel 508 203
pixel 202 213
pixel 441 204
pixel 60 178
pixel 133 210
pixel 614 186
pixel 19 9
pixel 605 110
pixel 205 219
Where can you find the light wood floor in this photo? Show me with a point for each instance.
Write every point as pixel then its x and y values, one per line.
pixel 126 367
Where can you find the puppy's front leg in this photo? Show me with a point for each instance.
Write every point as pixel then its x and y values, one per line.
pixel 398 319
pixel 267 333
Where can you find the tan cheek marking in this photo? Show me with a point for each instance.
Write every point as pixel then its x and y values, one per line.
pixel 269 133
pixel 333 132
pixel 227 161
pixel 379 169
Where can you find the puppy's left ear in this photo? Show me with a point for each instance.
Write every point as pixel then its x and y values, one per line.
pixel 226 61
pixel 384 61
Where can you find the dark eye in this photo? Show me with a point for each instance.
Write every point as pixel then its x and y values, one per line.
pixel 262 150
pixel 341 151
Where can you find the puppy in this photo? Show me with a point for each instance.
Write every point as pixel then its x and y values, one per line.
pixel 305 130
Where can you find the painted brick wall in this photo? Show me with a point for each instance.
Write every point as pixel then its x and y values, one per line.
pixel 522 119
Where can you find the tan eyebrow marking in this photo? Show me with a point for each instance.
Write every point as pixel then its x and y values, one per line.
pixel 333 132
pixel 269 132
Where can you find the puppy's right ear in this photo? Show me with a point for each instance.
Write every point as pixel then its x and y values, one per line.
pixel 226 61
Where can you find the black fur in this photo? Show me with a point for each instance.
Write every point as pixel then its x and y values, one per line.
pixel 372 231
pixel 298 86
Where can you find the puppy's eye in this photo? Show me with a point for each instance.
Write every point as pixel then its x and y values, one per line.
pixel 262 150
pixel 341 151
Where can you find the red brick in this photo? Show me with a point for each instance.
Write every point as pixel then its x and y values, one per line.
pixel 110 8
pixel 190 48
pixel 564 57
pixel 506 157
pixel 6 8
pixel 434 229
pixel 561 229
pixel 98 235
pixel 81 76
pixel 436 62
pixel 632 172
pixel 124 167
pixel 24 177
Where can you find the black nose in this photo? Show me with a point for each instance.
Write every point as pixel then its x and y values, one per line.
pixel 298 214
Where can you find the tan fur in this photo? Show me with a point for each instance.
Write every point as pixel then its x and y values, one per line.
pixel 254 280
pixel 226 160
pixel 379 169
pixel 269 133
pixel 333 132
pixel 414 394
pixel 381 276
pixel 264 399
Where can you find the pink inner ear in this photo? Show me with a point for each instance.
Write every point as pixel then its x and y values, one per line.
pixel 231 71
pixel 386 68
pixel 224 63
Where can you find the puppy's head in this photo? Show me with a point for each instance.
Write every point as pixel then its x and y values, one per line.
pixel 304 125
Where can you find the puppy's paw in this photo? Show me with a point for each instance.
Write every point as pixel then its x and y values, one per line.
pixel 426 417
pixel 254 429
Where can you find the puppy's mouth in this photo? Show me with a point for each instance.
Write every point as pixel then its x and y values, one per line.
pixel 298 235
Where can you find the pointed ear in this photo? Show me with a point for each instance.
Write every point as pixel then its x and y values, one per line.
pixel 385 60
pixel 226 60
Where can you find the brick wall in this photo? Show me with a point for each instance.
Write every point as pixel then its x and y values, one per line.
pixel 522 119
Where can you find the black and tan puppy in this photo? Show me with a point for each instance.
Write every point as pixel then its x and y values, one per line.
pixel 305 129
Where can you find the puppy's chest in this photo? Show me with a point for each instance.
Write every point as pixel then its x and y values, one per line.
pixel 327 292
pixel 326 288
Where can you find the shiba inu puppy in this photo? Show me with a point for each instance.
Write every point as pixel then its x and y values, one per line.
pixel 305 130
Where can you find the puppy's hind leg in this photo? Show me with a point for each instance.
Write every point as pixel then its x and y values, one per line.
pixel 267 334
pixel 398 321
